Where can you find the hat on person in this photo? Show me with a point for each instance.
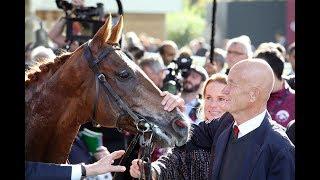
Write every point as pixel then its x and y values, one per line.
pixel 200 70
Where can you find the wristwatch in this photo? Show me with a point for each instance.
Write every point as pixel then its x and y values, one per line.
pixel 83 171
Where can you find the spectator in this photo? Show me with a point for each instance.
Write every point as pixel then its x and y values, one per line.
pixel 218 62
pixel 212 98
pixel 281 49
pixel 194 46
pixel 192 160
pixel 203 47
pixel 281 104
pixel 168 51
pixel 254 147
pixel 55 33
pixel 150 44
pixel 41 37
pixel 134 46
pixel 154 70
pixel 41 53
pixel 238 49
pixel 185 51
pixel 278 46
pixel 192 85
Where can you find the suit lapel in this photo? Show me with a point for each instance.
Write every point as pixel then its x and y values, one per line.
pixel 255 150
pixel 220 149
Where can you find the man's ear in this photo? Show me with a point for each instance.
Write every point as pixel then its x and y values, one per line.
pixel 254 94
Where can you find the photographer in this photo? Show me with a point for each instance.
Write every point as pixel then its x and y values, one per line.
pixel 82 23
pixel 154 70
pixel 168 51
pixel 55 33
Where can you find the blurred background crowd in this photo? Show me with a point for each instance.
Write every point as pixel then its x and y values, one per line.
pixel 170 41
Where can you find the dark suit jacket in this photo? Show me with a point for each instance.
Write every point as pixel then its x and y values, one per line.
pixel 205 136
pixel 271 155
pixel 46 171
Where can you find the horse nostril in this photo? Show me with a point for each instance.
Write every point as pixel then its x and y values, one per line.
pixel 180 123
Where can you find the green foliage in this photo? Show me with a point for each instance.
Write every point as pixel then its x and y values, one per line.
pixel 184 26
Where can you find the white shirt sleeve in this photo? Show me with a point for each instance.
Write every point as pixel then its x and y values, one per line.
pixel 76 172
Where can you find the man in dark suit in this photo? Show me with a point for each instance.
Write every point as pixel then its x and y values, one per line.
pixel 49 171
pixel 254 147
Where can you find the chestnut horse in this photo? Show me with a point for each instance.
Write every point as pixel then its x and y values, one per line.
pixel 64 94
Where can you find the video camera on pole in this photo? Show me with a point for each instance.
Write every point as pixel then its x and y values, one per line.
pixel 82 22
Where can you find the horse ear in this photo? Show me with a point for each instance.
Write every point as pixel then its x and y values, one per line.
pixel 102 34
pixel 116 31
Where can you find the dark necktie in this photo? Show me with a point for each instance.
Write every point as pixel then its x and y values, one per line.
pixel 235 131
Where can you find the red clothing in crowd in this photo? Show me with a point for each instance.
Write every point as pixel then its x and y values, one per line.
pixel 281 105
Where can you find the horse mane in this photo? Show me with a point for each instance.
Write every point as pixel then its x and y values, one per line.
pixel 43 67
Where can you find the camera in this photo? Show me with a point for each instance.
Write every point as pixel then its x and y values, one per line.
pixel 82 22
pixel 175 72
pixel 86 13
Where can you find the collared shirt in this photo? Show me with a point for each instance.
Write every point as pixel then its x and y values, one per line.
pixel 76 172
pixel 251 124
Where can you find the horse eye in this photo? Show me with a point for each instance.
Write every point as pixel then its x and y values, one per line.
pixel 124 74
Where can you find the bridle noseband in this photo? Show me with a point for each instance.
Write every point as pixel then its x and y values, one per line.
pixel 140 122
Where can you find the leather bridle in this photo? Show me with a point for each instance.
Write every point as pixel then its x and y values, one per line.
pixel 140 122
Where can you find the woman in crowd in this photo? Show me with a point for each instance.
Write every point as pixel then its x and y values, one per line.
pixel 192 160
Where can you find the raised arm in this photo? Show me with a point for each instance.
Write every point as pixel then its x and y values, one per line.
pixel 55 33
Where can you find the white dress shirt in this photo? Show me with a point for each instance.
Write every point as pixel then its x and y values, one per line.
pixel 76 172
pixel 251 124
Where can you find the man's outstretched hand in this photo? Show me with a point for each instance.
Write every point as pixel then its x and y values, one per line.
pixel 104 165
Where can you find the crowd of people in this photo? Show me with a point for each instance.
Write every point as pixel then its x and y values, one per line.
pixel 240 104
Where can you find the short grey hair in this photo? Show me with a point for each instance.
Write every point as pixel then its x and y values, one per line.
pixel 153 63
pixel 243 40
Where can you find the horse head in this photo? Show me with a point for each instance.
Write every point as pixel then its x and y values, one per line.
pixel 139 97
